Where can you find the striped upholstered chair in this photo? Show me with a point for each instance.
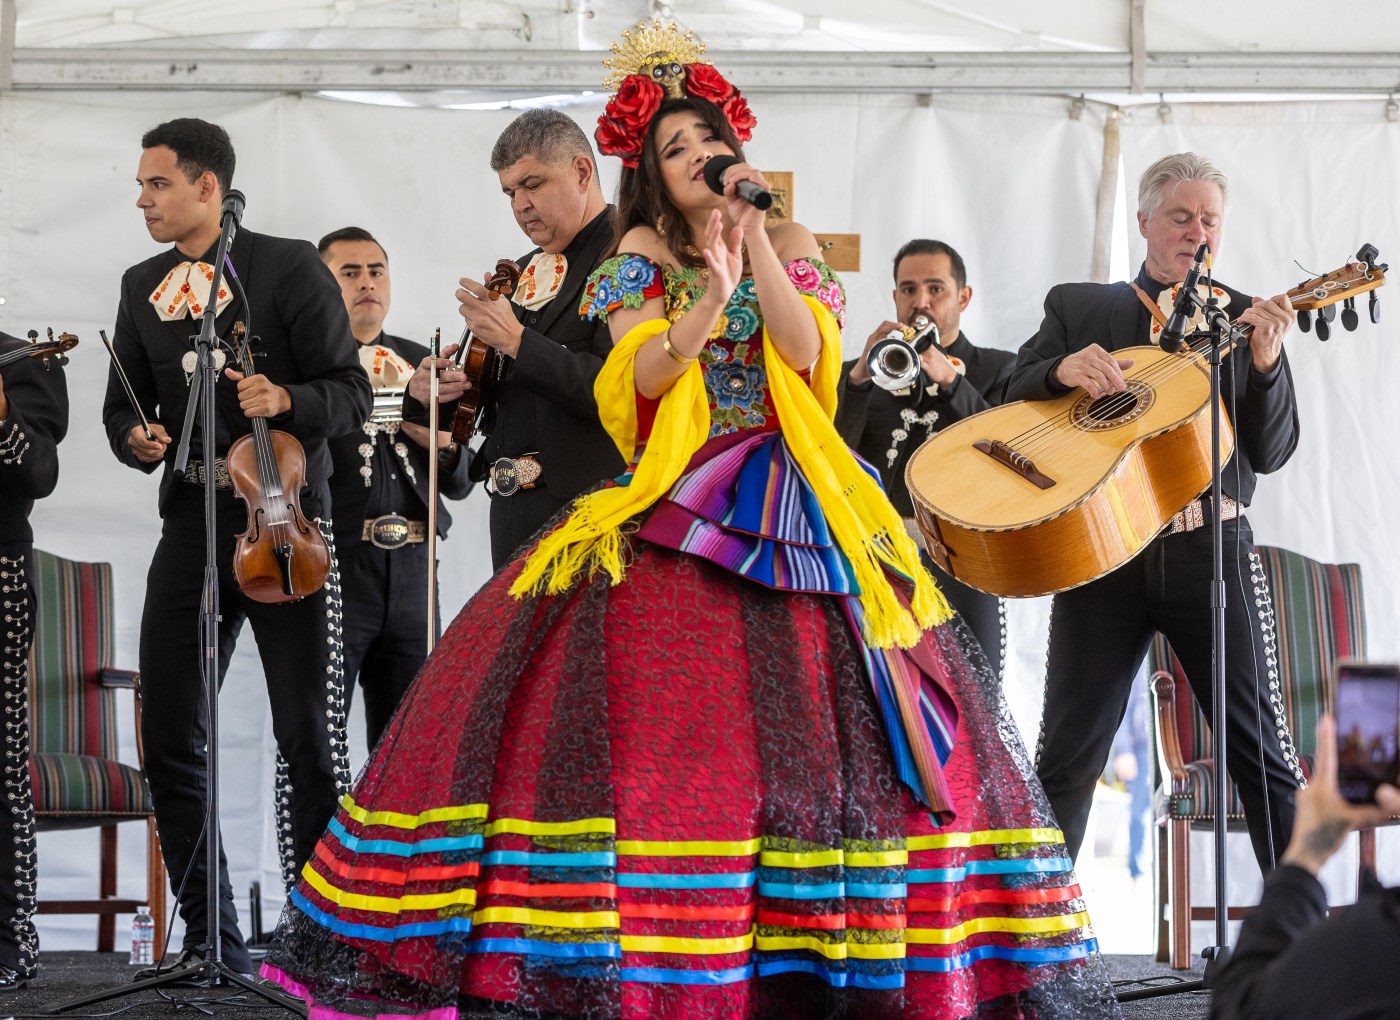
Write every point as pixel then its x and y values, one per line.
pixel 1312 614
pixel 78 782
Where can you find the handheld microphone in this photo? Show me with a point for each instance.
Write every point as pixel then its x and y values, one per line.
pixel 747 190
pixel 1175 330
pixel 233 206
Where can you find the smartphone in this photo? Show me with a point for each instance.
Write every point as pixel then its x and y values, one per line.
pixel 1368 728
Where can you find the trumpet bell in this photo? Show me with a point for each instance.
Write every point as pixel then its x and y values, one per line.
pixel 893 363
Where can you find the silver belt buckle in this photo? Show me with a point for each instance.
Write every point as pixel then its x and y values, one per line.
pixel 389 532
pixel 505 478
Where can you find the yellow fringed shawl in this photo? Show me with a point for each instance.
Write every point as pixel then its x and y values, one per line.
pixel 864 524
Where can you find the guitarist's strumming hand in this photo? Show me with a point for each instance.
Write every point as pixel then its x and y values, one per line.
pixel 1272 319
pixel 491 320
pixel 1093 368
pixel 452 381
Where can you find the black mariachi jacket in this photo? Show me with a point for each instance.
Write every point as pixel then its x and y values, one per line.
pixel 545 404
pixel 303 343
pixel 29 436
pixel 350 494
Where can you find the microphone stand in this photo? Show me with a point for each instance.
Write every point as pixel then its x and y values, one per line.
pixel 1218 955
pixel 208 974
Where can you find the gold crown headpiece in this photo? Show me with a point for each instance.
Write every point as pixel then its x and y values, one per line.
pixel 651 64
pixel 656 50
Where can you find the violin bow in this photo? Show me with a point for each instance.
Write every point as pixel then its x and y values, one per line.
pixel 434 346
pixel 126 385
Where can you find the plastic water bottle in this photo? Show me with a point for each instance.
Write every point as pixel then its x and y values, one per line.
pixel 143 937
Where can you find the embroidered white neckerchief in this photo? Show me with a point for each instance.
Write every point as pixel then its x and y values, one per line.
pixel 387 371
pixel 540 281
pixel 185 290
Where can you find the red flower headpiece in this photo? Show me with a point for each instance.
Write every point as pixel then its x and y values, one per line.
pixel 657 64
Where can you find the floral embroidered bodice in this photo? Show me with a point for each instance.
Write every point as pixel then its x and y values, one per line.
pixel 735 377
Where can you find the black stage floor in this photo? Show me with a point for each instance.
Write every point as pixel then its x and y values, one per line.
pixel 66 976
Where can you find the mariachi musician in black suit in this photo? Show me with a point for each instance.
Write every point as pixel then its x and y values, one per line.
pixel 308 383
pixel 544 443
pixel 379 490
pixel 958 379
pixel 33 420
pixel 1099 632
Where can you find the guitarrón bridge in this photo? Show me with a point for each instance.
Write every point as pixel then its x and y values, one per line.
pixel 1003 453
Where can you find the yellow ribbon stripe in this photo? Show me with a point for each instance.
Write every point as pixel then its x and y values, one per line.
pixel 691 947
pixel 546 918
pixel 688 848
pixel 526 827
pixel 982 925
pixel 387 904
pixel 833 950
pixel 986 837
pixel 827 858
pixel 396 820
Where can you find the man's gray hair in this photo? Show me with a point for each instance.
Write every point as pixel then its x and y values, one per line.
pixel 548 135
pixel 1182 166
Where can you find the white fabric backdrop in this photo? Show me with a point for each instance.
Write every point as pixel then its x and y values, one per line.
pixel 1310 182
pixel 1010 182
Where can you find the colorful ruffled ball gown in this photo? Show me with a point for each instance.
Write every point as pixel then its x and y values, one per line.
pixel 718 788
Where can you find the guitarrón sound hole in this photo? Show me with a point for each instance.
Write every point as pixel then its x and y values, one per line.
pixel 1113 406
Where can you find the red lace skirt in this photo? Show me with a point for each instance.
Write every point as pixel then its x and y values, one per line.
pixel 674 798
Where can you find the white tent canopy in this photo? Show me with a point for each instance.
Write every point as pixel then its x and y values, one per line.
pixel 957 120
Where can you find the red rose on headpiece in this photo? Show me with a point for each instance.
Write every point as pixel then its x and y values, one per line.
pixel 740 117
pixel 624 121
pixel 636 101
pixel 703 82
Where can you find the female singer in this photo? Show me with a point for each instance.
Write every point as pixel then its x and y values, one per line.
pixel 712 748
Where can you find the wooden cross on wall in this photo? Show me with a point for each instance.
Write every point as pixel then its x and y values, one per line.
pixel 839 251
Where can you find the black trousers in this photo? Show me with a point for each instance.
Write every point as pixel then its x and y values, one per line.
pixel 515 519
pixel 19 862
pixel 298 646
pixel 1099 635
pixel 981 612
pixel 385 622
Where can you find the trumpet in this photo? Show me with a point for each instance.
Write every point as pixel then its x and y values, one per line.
pixel 388 406
pixel 894 361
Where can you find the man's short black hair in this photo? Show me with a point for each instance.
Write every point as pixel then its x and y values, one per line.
pixel 348 234
pixel 924 246
pixel 198 146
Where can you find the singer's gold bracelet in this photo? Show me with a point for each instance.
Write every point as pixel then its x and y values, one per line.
pixel 676 356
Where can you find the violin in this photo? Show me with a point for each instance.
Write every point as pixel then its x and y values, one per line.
pixel 280 557
pixel 483 365
pixel 54 347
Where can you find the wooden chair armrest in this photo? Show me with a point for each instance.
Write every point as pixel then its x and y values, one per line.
pixel 1163 687
pixel 121 679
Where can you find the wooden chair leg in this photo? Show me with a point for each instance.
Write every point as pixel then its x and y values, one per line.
pixel 107 889
pixel 155 884
pixel 1179 849
pixel 1163 897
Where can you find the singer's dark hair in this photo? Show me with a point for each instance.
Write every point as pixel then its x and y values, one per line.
pixel 924 246
pixel 641 192
pixel 348 234
pixel 198 146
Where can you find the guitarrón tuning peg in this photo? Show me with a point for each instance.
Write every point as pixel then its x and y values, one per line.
pixel 1324 328
pixel 1328 312
pixel 1350 320
pixel 1374 307
pixel 1304 320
